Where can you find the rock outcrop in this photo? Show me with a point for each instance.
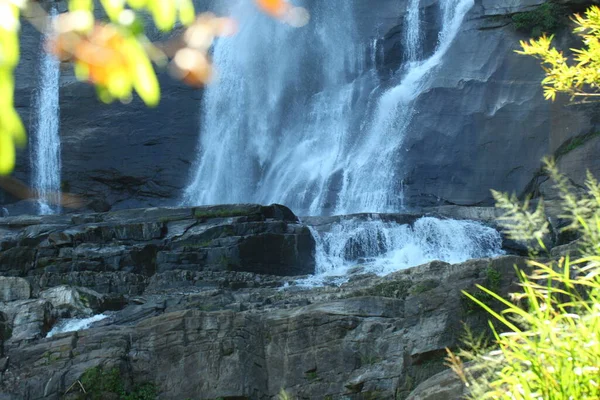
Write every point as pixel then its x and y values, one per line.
pixel 179 325
pixel 118 252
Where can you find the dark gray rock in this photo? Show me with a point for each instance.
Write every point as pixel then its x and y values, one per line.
pixel 366 339
pixel 118 252
pixel 12 289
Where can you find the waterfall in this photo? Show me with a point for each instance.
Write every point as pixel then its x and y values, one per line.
pixel 45 157
pixel 381 247
pixel 281 125
pixel 412 32
pixel 372 178
pixel 284 124
pixel 75 324
pixel 276 124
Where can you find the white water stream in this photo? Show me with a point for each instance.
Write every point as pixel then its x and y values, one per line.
pixel 45 157
pixel 282 125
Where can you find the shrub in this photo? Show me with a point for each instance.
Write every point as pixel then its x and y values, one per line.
pixel 546 18
pixel 552 348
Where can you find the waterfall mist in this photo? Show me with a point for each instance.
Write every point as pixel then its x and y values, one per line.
pixel 381 247
pixel 301 118
pixel 283 123
pixel 45 146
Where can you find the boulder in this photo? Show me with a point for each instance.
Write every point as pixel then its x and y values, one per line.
pixel 12 288
pixel 28 319
pixel 443 386
pixel 72 302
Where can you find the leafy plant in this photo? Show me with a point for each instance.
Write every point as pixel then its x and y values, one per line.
pixel 577 76
pixel 552 347
pixel 98 383
pixel 546 18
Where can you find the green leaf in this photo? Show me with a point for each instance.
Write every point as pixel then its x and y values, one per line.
pixel 144 77
pixel 187 13
pixel 81 5
pixel 164 14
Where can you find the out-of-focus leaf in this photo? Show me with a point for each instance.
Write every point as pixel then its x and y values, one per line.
pixel 164 13
pixel 82 72
pixel 275 8
pixel 137 4
pixel 81 5
pixel 142 72
pixel 113 8
pixel 187 12
pixel 7 153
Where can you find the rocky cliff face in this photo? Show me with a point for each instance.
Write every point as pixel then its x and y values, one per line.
pixel 181 323
pixel 483 124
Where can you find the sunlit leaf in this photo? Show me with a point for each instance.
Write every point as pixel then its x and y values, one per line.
pixel 142 72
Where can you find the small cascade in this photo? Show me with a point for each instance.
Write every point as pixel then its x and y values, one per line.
pixel 382 247
pixel 372 171
pixel 75 324
pixel 45 149
pixel 412 32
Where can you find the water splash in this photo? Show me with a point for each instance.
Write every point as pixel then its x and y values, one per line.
pixel 45 158
pixel 382 247
pixel 75 324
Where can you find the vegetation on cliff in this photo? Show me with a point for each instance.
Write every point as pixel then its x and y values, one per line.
pixel 552 347
pixel 577 76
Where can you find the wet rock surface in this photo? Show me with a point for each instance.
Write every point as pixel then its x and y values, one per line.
pixel 192 328
pixel 483 124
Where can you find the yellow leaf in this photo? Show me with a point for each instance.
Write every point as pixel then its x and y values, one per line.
pixel 142 72
pixel 187 13
pixel 164 14
pixel 7 153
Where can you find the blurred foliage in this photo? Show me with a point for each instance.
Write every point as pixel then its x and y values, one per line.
pixel 552 347
pixel 115 54
pixel 579 77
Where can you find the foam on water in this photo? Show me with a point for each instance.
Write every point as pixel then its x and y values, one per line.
pixel 382 247
pixel 75 324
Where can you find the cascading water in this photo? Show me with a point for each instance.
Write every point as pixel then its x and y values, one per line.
pixel 280 125
pixel 75 324
pixel 371 180
pixel 283 125
pixel 45 157
pixel 278 121
pixel 382 247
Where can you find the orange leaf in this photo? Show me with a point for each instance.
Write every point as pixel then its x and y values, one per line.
pixel 275 8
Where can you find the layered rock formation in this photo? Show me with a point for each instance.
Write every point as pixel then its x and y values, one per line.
pixel 183 324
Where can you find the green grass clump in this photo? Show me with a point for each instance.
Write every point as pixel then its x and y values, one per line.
pixel 391 289
pixel 546 18
pixel 551 349
pixel 99 383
